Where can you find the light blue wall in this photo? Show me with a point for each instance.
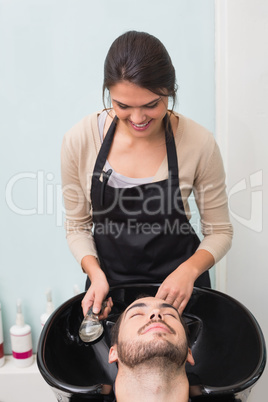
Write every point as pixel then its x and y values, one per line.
pixel 52 55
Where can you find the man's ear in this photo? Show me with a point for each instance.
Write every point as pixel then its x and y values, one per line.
pixel 190 358
pixel 113 357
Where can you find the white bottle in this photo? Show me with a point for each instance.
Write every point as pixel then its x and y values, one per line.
pixel 49 309
pixel 2 356
pixel 21 341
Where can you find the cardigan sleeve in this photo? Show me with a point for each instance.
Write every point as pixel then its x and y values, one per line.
pixel 212 202
pixel 78 221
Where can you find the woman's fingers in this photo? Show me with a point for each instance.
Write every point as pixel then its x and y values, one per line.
pixel 162 293
pixel 99 307
pixel 96 294
pixel 177 297
pixel 106 309
pixel 87 302
pixel 90 300
pixel 169 294
pixel 182 306
pixel 178 301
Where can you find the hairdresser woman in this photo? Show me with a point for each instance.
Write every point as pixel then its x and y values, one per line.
pixel 129 170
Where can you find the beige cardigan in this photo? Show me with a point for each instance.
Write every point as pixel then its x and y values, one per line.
pixel 200 169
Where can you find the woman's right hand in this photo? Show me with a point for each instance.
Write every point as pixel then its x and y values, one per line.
pixel 97 291
pixel 95 296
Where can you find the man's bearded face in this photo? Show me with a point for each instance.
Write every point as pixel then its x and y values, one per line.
pixel 151 330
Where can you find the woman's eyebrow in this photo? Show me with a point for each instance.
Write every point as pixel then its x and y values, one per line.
pixel 147 104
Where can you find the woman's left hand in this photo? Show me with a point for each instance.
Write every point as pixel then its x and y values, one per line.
pixel 177 288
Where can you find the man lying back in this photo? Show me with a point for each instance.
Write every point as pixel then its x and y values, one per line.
pixel 150 346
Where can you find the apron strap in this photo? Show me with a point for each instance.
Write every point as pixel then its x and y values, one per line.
pixel 173 169
pixel 105 148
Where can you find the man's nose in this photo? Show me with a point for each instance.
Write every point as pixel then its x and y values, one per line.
pixel 155 315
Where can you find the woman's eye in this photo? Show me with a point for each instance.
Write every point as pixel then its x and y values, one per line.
pixel 152 106
pixel 147 107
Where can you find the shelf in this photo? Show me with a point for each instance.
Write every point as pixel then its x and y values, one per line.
pixel 23 384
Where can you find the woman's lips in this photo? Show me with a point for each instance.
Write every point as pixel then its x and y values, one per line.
pixel 140 127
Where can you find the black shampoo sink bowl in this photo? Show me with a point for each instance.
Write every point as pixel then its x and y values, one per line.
pixel 227 344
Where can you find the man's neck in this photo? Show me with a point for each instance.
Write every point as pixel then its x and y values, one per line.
pixel 151 383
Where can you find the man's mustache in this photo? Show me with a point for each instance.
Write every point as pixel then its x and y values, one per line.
pixel 153 322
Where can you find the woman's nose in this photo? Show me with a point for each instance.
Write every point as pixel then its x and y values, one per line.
pixel 156 315
pixel 138 116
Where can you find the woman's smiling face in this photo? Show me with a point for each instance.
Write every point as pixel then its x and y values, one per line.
pixel 139 110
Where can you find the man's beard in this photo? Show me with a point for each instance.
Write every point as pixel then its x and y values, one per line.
pixel 159 350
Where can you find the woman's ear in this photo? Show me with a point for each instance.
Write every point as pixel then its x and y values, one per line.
pixel 113 357
pixel 190 358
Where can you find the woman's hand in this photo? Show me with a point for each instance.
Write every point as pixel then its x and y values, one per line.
pixel 96 295
pixel 98 289
pixel 178 286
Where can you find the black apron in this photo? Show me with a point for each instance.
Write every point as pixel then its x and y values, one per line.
pixel 142 233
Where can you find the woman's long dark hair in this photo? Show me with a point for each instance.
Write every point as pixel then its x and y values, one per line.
pixel 142 59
